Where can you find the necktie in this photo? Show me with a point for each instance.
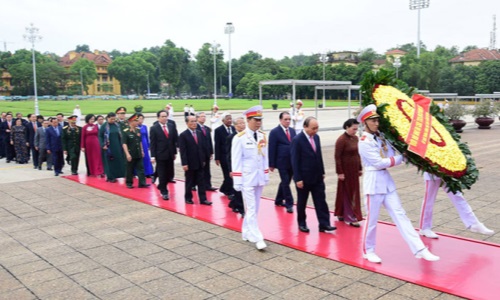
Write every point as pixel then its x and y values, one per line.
pixel 34 126
pixel 255 135
pixel 311 139
pixel 165 131
pixel 195 137
pixel 204 130
pixel 229 130
pixel 57 130
pixel 288 135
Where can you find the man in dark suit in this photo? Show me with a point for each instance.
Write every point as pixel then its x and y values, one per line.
pixel 41 146
pixel 220 138
pixel 31 128
pixel 193 151
pixel 53 142
pixel 207 137
pixel 2 141
pixel 309 174
pixel 280 139
pixel 60 119
pixel 171 172
pixel 163 140
pixel 5 129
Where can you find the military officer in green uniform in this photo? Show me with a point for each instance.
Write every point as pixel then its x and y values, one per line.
pixel 71 136
pixel 122 121
pixel 132 147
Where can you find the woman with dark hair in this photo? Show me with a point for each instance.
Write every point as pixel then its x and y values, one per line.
pixel 348 168
pixel 148 167
pixel 110 140
pixel 91 147
pixel 19 141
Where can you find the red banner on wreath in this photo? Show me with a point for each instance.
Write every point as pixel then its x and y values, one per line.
pixel 420 128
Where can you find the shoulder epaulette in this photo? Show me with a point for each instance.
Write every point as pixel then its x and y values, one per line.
pixel 65 127
pixel 241 133
pixel 126 129
pixel 262 132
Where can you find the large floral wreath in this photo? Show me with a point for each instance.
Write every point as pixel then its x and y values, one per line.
pixel 446 157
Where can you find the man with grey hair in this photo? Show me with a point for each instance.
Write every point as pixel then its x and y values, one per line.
pixel 220 138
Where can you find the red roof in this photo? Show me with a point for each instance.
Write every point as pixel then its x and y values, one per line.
pixel 379 62
pixel 99 58
pixel 477 55
pixel 395 51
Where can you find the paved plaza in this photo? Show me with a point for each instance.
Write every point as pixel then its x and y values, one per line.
pixel 63 240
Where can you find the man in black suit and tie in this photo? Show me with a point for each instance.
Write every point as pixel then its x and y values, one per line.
pixel 2 141
pixel 280 139
pixel 53 142
pixel 31 128
pixel 5 129
pixel 220 137
pixel 194 153
pixel 207 137
pixel 163 140
pixel 309 174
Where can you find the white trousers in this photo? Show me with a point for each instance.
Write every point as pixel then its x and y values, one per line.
pixel 464 210
pixel 393 205
pixel 251 199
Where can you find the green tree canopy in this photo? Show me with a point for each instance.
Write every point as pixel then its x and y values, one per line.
pixel 84 71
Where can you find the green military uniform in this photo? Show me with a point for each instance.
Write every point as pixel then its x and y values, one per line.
pixel 123 125
pixel 71 137
pixel 133 141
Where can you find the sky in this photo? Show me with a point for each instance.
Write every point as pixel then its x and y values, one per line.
pixel 272 28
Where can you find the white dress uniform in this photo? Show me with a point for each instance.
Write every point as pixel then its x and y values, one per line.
pixel 298 116
pixel 250 168
pixel 465 212
pixel 377 155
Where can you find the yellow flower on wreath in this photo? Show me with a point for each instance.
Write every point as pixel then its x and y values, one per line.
pixel 442 149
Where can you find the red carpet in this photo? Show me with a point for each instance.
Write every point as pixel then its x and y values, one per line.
pixel 468 268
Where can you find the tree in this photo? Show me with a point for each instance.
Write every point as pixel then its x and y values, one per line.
pixel 82 48
pixel 174 64
pixel 469 48
pixel 488 77
pixel 84 71
pixel 132 72
pixel 205 62
pixel 369 55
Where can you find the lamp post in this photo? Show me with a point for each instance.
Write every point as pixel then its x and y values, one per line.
pixel 147 77
pixel 32 36
pixel 323 58
pixel 228 30
pixel 81 80
pixel 214 50
pixel 418 5
pixel 397 65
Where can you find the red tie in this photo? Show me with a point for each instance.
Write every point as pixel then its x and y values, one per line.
pixel 165 131
pixel 34 126
pixel 195 137
pixel 288 135
pixel 312 143
pixel 204 131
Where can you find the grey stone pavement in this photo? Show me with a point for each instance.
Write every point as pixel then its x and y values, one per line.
pixel 63 240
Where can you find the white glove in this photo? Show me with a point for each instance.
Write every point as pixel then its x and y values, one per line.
pixel 237 187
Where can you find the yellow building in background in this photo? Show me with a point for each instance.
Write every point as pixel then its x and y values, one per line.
pixel 475 56
pixel 104 84
pixel 6 86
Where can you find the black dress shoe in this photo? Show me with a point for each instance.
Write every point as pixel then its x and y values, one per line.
pixel 189 202
pixel 165 197
pixel 56 174
pixel 49 169
pixel 289 210
pixel 8 161
pixel 213 189
pixel 354 224
pixel 130 186
pixel 39 168
pixel 74 173
pixel 236 210
pixel 153 179
pixel 205 202
pixel 303 228
pixel 61 172
pixel 279 203
pixel 112 180
pixel 193 188
pixel 172 181
pixel 144 185
pixel 340 218
pixel 327 228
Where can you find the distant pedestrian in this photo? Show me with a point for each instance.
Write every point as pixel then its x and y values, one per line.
pixel 110 139
pixel 71 140
pixel 134 153
pixel 91 147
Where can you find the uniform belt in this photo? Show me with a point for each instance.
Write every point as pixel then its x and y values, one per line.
pixel 370 168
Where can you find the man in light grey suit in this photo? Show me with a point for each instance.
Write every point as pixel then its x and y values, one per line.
pixel 40 145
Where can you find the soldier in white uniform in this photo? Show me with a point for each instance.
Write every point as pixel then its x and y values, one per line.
pixel 465 212
pixel 377 154
pixel 250 166
pixel 298 117
pixel 216 118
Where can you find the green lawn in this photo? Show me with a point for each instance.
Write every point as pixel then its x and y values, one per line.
pixel 52 107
